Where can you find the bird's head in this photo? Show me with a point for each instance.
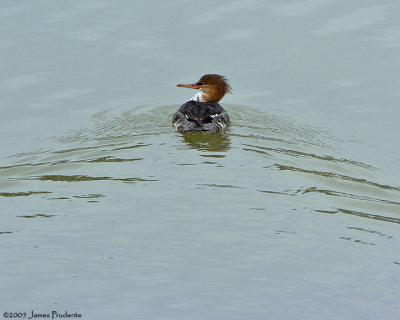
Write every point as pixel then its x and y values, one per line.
pixel 213 86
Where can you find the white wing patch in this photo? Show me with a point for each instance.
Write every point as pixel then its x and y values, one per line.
pixel 222 125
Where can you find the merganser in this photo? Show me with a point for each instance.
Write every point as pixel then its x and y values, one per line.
pixel 203 111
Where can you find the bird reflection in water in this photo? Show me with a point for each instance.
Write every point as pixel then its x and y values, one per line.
pixel 216 141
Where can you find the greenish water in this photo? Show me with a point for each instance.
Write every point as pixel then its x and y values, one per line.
pixel 292 213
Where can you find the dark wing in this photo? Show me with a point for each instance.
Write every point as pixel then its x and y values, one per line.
pixel 206 116
pixel 200 112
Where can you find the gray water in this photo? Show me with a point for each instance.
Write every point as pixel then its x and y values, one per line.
pixel 106 211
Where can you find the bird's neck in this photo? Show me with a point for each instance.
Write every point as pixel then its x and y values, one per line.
pixel 208 96
pixel 198 97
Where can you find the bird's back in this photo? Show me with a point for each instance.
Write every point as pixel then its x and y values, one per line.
pixel 200 116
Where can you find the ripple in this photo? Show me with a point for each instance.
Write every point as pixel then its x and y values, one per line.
pixel 212 156
pixel 110 159
pixel 357 241
pixel 348 195
pixel 370 231
pixel 368 215
pixel 90 196
pixel 84 178
pixel 261 126
pixel 131 147
pixel 212 185
pixel 37 215
pixel 338 176
pixel 22 168
pixel 22 194
pixel 296 153
pixel 277 192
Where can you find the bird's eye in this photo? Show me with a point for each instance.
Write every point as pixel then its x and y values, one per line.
pixel 199 83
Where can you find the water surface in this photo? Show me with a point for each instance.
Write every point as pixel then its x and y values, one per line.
pixel 107 211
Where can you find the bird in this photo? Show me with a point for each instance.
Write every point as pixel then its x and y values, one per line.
pixel 203 111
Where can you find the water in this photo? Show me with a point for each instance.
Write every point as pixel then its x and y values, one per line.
pixel 107 211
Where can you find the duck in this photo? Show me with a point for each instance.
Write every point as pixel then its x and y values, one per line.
pixel 203 111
